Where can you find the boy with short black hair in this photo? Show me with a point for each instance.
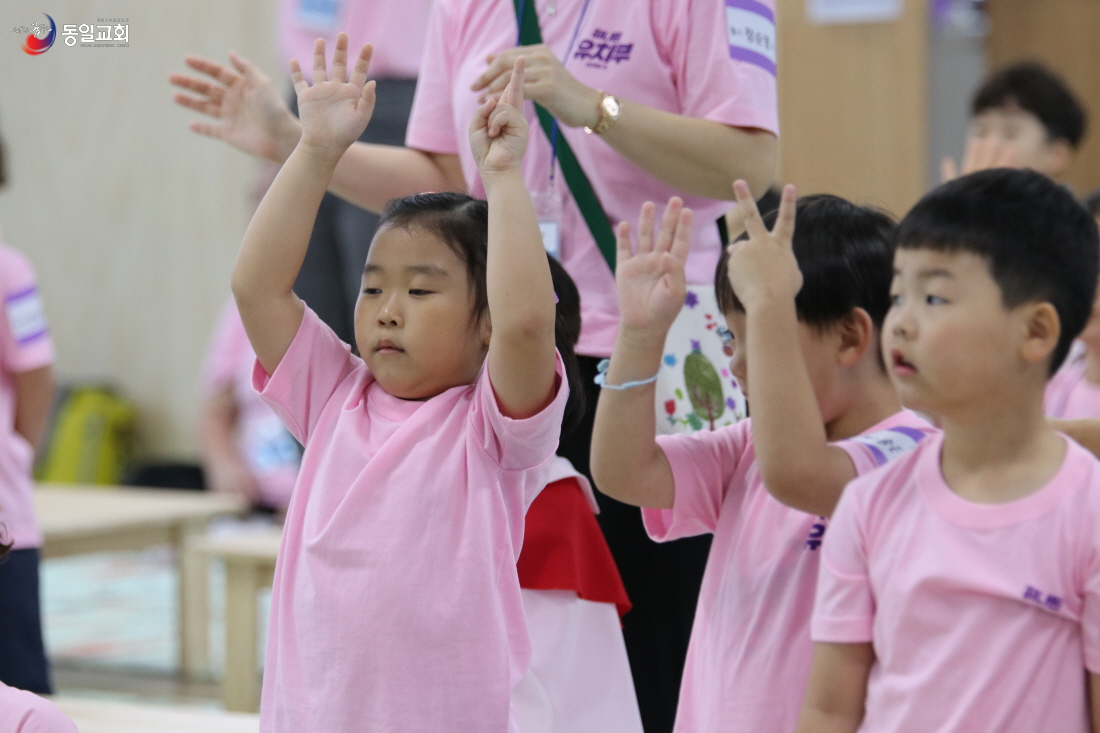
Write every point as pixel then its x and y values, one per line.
pixel 1023 116
pixel 750 650
pixel 960 584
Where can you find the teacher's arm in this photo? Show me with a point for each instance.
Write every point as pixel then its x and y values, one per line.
pixel 696 156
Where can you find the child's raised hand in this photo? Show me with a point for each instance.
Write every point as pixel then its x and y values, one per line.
pixel 248 109
pixel 498 132
pixel 764 264
pixel 981 153
pixel 335 109
pixel 650 282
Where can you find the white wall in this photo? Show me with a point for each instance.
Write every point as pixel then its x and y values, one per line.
pixel 131 220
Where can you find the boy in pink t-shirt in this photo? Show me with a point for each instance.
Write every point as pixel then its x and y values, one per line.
pixel 960 585
pixel 823 412
pixel 396 603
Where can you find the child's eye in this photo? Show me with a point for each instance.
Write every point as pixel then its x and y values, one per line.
pixel 416 291
pixel 372 291
pixel 726 335
pixel 934 300
pixel 895 299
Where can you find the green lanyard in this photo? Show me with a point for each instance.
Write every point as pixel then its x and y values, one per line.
pixel 579 186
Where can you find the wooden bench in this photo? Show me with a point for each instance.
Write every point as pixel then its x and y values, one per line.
pixel 102 716
pixel 249 566
pixel 79 519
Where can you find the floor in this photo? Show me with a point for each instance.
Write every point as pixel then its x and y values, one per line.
pixel 110 625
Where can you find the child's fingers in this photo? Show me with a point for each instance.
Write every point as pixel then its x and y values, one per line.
pixel 340 58
pixel 481 117
pixel 212 92
pixel 681 240
pixel 211 68
pixel 319 73
pixel 207 129
pixel 623 250
pixel 645 227
pixel 362 65
pixel 784 222
pixel 513 93
pixel 668 224
pixel 205 106
pixel 973 150
pixel 366 97
pixel 754 225
pixel 241 64
pixel 1006 158
pixel 297 77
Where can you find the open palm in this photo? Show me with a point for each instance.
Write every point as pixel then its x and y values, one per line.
pixel 249 112
pixel 335 109
pixel 650 281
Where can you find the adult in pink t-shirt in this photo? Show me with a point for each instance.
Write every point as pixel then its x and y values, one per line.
pixel 982 616
pixel 433 619
pixel 26 390
pixel 246 448
pixel 25 712
pixel 750 651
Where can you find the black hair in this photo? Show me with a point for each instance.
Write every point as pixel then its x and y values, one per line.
pixel 1036 89
pixel 846 256
pixel 1092 203
pixel 462 223
pixel 1041 245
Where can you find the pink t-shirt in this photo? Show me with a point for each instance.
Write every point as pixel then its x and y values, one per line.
pixel 396 604
pixel 983 617
pixel 24 346
pixel 1070 395
pixel 25 712
pixel 396 28
pixel 672 55
pixel 749 655
pixel 262 439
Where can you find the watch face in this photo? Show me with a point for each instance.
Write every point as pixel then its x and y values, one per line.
pixel 610 106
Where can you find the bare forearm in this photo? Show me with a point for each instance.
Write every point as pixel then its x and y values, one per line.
pixel 817 721
pixel 785 413
pixel 627 463
pixel 217 419
pixel 521 299
pixel 277 237
pixel 370 175
pixel 836 689
pixel 34 396
pixel 696 156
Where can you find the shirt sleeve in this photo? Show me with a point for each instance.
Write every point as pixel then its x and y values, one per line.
pixel 517 444
pixel 722 75
pixel 24 335
pixel 871 450
pixel 703 465
pixel 314 366
pixel 47 718
pixel 432 119
pixel 844 609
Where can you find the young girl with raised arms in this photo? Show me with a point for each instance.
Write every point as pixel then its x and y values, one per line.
pixel 396 604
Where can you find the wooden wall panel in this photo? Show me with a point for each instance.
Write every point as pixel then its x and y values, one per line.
pixel 1064 35
pixel 853 106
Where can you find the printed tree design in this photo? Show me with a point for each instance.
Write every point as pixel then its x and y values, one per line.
pixel 704 387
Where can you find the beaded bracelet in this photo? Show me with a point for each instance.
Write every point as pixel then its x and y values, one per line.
pixel 601 378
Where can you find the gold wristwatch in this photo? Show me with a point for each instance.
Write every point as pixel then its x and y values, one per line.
pixel 610 109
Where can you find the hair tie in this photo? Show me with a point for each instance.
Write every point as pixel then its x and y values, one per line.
pixel 601 378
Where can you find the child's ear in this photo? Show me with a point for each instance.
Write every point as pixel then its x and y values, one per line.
pixel 1042 331
pixel 857 335
pixel 485 329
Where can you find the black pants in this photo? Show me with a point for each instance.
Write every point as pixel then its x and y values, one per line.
pixel 23 662
pixel 662 580
pixel 332 271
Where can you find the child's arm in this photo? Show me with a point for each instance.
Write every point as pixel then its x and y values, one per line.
pixel 33 398
pixel 250 115
pixel 836 689
pixel 520 291
pixel 627 463
pixel 334 113
pixel 798 465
